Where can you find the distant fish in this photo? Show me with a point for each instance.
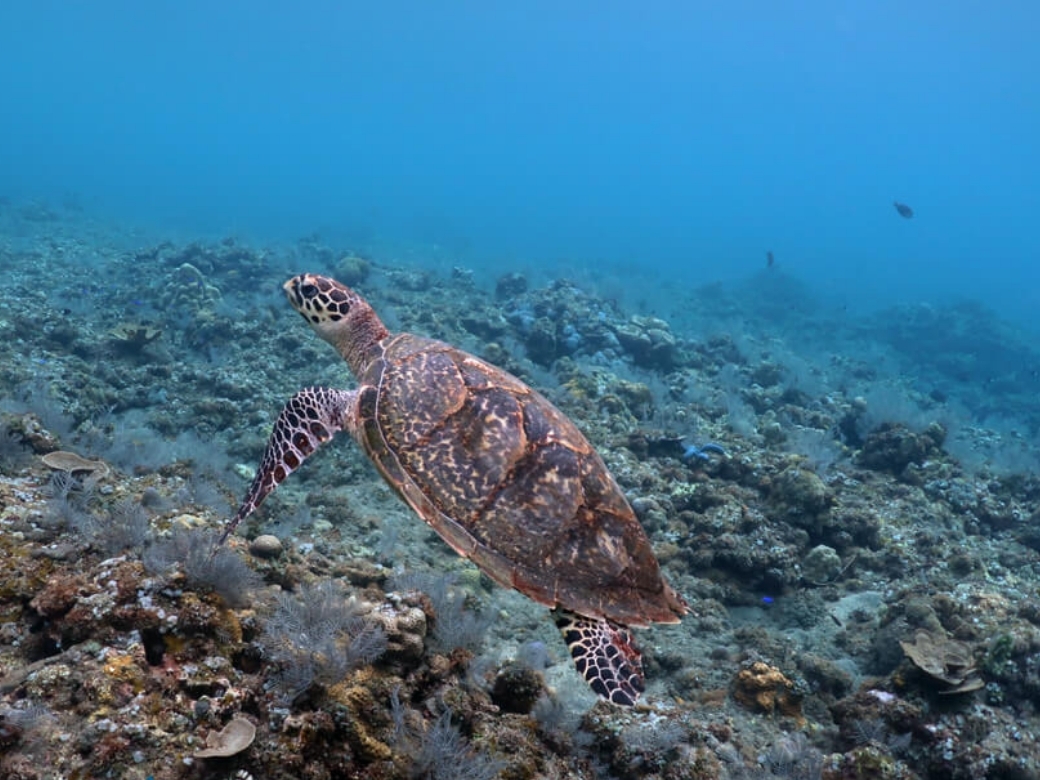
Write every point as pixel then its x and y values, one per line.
pixel 904 211
pixel 769 259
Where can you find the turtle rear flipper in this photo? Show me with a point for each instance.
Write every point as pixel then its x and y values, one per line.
pixel 604 655
pixel 309 419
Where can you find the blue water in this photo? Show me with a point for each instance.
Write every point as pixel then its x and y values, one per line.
pixel 664 143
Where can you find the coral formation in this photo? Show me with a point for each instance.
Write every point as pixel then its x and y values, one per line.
pixel 765 688
pixel 231 740
pixel 944 660
pixel 72 463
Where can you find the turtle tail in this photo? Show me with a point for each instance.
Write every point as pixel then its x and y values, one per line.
pixel 309 419
pixel 604 655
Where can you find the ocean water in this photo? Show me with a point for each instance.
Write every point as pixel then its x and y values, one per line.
pixel 835 456
pixel 656 146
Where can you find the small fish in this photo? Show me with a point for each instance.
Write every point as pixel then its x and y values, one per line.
pixel 769 259
pixel 904 211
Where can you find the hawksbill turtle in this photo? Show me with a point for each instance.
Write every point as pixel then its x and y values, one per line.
pixel 503 476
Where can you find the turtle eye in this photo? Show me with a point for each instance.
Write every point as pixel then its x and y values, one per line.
pixel 308 291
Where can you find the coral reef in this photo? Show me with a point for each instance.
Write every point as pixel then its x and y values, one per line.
pixel 861 559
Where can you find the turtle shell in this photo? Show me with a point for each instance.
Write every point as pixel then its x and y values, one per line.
pixel 508 481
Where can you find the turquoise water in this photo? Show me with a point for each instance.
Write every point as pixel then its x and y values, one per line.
pixel 649 142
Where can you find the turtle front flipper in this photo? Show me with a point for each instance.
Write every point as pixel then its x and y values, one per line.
pixel 310 418
pixel 604 655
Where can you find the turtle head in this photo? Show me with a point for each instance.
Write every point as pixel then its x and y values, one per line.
pixel 339 315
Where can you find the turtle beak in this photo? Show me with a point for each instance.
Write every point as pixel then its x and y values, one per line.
pixel 294 290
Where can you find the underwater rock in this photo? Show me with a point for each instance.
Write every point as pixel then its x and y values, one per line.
pixel 825 675
pixel 187 290
pixel 517 688
pixel 510 286
pixel 800 494
pixel 638 397
pixel 28 430
pixel 364 706
pixel 650 513
pixel 266 546
pixel 870 762
pixel 821 564
pixel 649 343
pixel 892 447
pixel 487 323
pixel 560 320
pixel 541 341
pixel 59 596
pixel 353 269
pixel 411 279
pixel 225 257
pixel 767 374
pixel 654 444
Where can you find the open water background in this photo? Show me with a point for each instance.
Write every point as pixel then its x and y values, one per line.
pixel 651 146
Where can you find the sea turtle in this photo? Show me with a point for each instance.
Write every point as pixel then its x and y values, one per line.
pixel 503 476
